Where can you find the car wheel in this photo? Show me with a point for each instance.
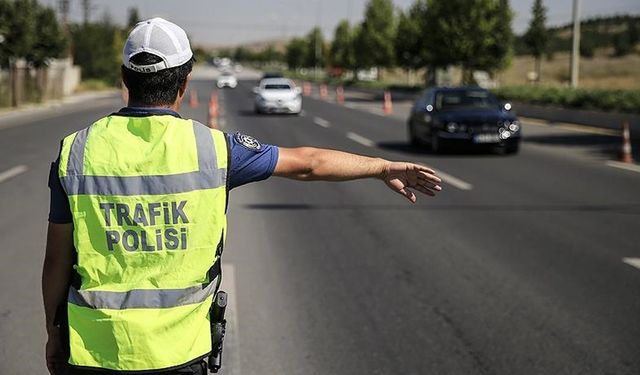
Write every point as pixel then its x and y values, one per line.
pixel 414 140
pixel 436 144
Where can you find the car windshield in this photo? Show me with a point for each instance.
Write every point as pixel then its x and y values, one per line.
pixel 277 86
pixel 451 100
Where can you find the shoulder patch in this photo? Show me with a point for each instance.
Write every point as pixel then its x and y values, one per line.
pixel 248 142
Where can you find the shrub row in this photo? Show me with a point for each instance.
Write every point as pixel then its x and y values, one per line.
pixel 598 99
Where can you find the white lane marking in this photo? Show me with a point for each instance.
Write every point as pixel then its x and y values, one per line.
pixel 377 111
pixel 10 173
pixel 633 262
pixel 231 349
pixel 321 122
pixel 621 165
pixel 454 181
pixel 360 139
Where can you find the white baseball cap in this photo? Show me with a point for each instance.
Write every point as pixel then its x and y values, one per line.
pixel 159 37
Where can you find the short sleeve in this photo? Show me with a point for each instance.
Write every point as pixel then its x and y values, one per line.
pixel 250 161
pixel 59 210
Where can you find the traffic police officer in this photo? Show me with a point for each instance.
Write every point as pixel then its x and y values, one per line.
pixel 138 218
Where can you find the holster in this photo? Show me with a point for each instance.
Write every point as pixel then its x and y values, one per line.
pixel 218 327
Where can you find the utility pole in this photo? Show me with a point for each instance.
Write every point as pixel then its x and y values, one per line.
pixel 575 51
pixel 63 6
pixel 86 11
pixel 316 43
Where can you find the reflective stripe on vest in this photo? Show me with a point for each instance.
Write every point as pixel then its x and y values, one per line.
pixel 207 176
pixel 148 198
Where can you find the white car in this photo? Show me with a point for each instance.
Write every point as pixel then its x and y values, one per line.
pixel 227 80
pixel 278 95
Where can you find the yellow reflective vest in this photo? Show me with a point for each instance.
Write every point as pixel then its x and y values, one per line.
pixel 148 197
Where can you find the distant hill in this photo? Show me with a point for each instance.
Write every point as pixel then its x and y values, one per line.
pixel 598 32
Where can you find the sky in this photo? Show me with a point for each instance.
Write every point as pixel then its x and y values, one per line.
pixel 226 23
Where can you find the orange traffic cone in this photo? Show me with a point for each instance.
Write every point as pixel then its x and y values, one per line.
pixel 306 88
pixel 323 91
pixel 387 105
pixel 339 95
pixel 193 99
pixel 626 156
pixel 212 120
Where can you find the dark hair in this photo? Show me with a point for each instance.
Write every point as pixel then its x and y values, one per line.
pixel 159 88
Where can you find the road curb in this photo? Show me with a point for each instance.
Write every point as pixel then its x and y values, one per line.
pixel 31 109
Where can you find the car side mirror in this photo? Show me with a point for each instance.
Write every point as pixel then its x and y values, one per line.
pixel 507 106
pixel 256 90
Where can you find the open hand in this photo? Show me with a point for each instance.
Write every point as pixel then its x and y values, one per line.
pixel 400 176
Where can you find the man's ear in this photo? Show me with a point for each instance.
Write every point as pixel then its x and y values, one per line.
pixel 183 88
pixel 123 76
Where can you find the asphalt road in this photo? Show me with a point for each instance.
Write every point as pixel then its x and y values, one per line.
pixel 515 268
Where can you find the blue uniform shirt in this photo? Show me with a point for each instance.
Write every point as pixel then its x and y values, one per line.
pixel 250 161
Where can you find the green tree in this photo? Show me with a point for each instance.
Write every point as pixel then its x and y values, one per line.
pixel 202 54
pixel 624 42
pixel 316 50
pixel 408 40
pixel 295 53
pixel 536 37
pixel 50 41
pixel 412 43
pixel 21 34
pixel 375 39
pixel 621 45
pixel 6 17
pixel 342 55
pixel 270 54
pixel 587 48
pixel 19 40
pixel 468 34
pixel 242 54
pixel 97 49
pixel 633 34
pixel 505 39
pixel 133 18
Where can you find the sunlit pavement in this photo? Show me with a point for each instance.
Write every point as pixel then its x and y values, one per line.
pixel 525 264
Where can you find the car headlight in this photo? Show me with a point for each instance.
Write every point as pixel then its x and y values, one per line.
pixel 504 133
pixel 452 127
pixel 514 126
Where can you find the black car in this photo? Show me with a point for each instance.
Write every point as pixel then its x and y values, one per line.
pixel 450 116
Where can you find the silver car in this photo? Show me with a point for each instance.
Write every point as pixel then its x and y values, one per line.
pixel 277 95
pixel 227 80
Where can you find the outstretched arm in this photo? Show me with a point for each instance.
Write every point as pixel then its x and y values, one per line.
pixel 315 164
pixel 58 263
